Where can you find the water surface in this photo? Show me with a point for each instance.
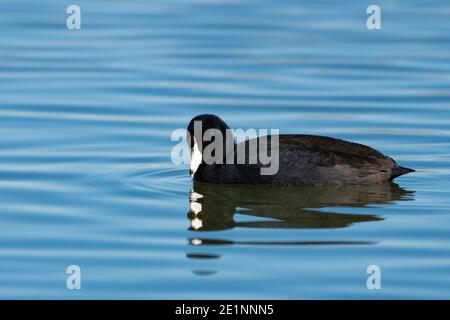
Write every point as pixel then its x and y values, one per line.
pixel 86 176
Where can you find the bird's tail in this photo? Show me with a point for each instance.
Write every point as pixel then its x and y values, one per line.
pixel 398 171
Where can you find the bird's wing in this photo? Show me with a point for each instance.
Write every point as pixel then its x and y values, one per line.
pixel 331 151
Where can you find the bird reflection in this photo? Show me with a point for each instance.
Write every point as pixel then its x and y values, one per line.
pixel 215 207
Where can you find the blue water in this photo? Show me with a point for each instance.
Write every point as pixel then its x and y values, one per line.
pixel 86 176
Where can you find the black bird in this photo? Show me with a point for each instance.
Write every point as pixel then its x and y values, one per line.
pixel 302 159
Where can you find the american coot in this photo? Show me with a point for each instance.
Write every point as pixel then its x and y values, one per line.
pixel 301 159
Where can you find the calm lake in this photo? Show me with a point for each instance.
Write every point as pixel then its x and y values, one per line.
pixel 86 176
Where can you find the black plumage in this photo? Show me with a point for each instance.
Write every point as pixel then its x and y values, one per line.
pixel 303 160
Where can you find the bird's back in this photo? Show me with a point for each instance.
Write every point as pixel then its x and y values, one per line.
pixel 319 160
